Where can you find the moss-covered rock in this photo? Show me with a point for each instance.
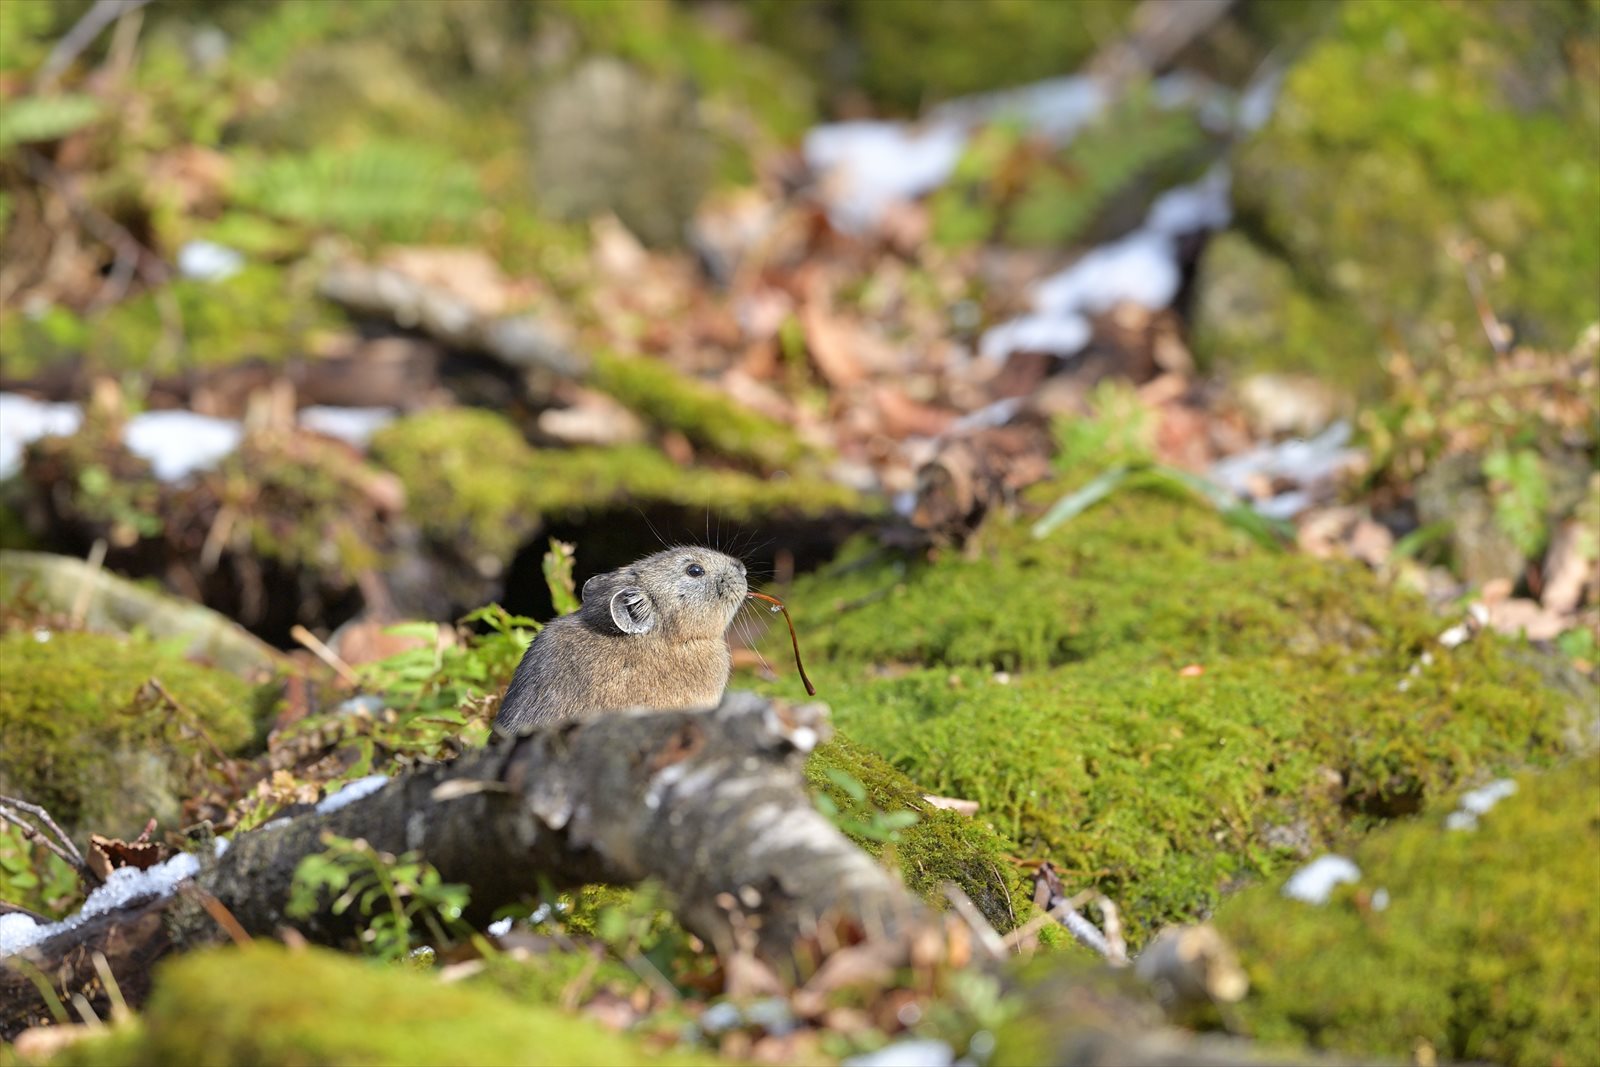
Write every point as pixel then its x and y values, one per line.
pixel 1407 138
pixel 77 735
pixel 473 481
pixel 1322 701
pixel 940 848
pixel 700 413
pixel 1483 946
pixel 262 1004
pixel 904 55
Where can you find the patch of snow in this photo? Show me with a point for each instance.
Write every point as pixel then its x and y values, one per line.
pixel 500 927
pixel 1201 205
pixel 1140 268
pixel 1058 335
pixel 352 425
pixel 208 261
pixel 122 887
pixel 1308 465
pixel 1314 882
pixel 352 792
pixel 721 1016
pixel 23 420
pixel 16 933
pixel 922 1052
pixel 1477 802
pixel 868 166
pixel 987 417
pixel 178 443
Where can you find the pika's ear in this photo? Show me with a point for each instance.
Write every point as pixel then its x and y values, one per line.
pixel 592 585
pixel 632 611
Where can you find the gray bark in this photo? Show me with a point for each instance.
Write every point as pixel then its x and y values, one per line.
pixel 712 803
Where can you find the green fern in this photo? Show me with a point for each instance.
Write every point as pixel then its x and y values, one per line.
pixel 393 189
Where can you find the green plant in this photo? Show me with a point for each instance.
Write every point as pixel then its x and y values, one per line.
pixel 33 877
pixel 404 898
pixel 1521 492
pixel 857 816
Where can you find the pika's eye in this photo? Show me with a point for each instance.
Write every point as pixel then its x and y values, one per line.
pixel 694 570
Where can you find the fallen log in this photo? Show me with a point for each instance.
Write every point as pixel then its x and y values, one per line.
pixel 712 803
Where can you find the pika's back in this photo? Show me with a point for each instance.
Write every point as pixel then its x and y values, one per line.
pixel 646 635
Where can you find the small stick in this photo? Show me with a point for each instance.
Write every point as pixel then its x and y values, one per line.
pixel 325 654
pixel 777 605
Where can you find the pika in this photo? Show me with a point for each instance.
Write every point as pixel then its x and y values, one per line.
pixel 647 635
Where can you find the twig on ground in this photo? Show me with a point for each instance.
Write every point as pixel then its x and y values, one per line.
pixel 56 840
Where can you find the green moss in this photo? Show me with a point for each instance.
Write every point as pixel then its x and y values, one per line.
pixel 905 54
pixel 670 41
pixel 76 737
pixel 1314 714
pixel 1488 949
pixel 262 1004
pixel 940 847
pixel 702 414
pixel 1409 132
pixel 260 313
pixel 471 479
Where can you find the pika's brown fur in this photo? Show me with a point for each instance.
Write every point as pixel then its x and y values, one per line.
pixel 648 635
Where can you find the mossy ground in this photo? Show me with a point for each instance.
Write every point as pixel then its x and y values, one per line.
pixel 262 1004
pixel 1314 715
pixel 705 416
pixel 76 737
pixel 1410 139
pixel 471 478
pixel 1488 949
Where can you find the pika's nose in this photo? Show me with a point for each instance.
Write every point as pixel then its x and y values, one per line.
pixel 740 562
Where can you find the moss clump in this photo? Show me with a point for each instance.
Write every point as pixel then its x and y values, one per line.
pixel 1410 132
pixel 1487 950
pixel 864 45
pixel 699 412
pixel 262 312
pixel 941 847
pixel 262 1004
pixel 77 737
pixel 1316 712
pixel 471 479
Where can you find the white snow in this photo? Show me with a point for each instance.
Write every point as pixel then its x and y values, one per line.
pixel 1314 882
pixel 351 792
pixel 178 443
pixel 23 420
pixel 208 261
pixel 1057 335
pixel 352 425
pixel 920 1052
pixel 16 933
pixel 868 166
pixel 123 886
pixel 1478 802
pixel 175 443
pixel 1140 268
pixel 1309 466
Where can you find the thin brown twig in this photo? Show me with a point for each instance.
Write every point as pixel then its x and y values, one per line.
pixel 61 844
pixel 218 911
pixel 325 654
pixel 81 36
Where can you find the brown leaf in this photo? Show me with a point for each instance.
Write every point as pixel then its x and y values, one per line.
pixel 830 340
